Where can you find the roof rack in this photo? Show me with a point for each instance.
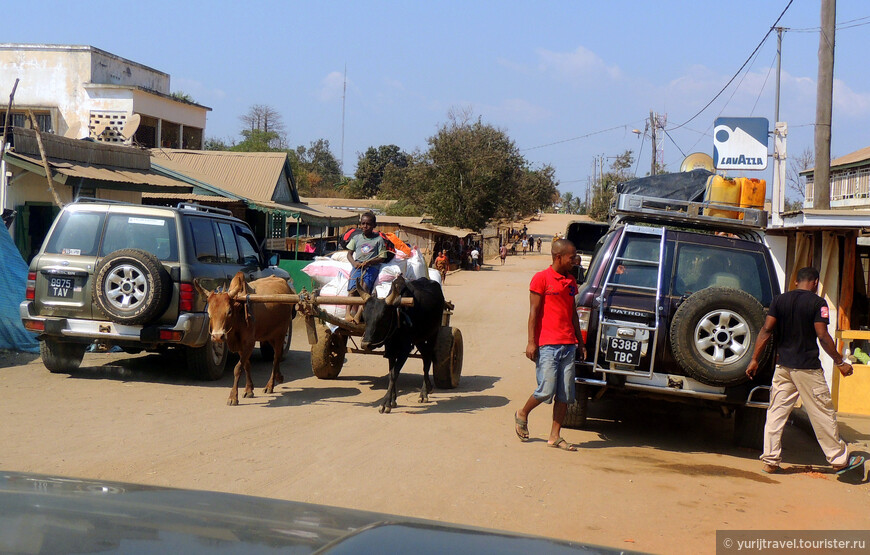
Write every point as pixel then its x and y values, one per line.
pixel 100 200
pixel 688 214
pixel 203 208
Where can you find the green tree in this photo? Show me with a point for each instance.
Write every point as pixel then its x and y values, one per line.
pixel 407 185
pixel 470 173
pixel 320 170
pixel 183 96
pixel 372 164
pixel 213 143
pixel 604 191
pixel 255 140
pixel 264 121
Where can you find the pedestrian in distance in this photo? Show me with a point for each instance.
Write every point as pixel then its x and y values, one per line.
pixel 539 245
pixel 525 245
pixel 475 259
pixel 554 340
pixel 442 264
pixel 799 322
pixel 502 253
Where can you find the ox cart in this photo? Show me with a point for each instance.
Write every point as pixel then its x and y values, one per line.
pixel 329 348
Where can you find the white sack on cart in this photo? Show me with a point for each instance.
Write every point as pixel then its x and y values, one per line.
pixel 335 288
pixel 383 289
pixel 416 266
pixel 390 271
pixel 323 270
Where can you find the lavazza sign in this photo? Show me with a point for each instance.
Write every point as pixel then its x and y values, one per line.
pixel 740 143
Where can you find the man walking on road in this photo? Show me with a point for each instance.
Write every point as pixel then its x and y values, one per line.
pixel 798 319
pixel 554 338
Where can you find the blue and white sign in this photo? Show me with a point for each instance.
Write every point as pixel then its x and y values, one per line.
pixel 740 143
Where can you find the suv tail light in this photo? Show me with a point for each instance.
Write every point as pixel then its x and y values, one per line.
pixel 583 315
pixel 30 292
pixel 185 301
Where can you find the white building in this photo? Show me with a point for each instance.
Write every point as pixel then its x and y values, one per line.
pixel 79 90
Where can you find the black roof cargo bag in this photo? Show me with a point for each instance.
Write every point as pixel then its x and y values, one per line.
pixel 678 186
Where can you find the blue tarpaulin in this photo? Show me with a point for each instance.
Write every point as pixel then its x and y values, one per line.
pixel 13 281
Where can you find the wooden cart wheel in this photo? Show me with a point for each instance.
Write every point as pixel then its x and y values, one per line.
pixel 447 368
pixel 327 355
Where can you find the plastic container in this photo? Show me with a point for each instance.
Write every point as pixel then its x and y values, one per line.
pixel 721 190
pixel 752 193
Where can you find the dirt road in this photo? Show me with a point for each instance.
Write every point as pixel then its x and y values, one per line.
pixel 652 477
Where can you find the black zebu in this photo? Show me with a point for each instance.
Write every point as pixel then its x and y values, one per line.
pixel 399 328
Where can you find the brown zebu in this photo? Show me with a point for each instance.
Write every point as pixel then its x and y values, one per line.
pixel 242 324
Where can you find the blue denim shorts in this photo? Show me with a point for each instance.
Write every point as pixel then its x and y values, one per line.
pixel 555 373
pixel 369 275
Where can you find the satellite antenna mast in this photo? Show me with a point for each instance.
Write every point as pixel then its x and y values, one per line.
pixel 343 96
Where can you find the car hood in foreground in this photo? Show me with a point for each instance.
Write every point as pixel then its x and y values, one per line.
pixel 49 514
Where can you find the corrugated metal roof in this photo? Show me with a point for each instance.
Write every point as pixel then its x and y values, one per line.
pixel 103 173
pixel 252 175
pixel 399 220
pixel 181 197
pixel 444 230
pixel 360 203
pixel 862 155
pixel 312 213
pixel 853 158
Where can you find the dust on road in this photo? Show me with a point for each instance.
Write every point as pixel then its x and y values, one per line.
pixel 650 476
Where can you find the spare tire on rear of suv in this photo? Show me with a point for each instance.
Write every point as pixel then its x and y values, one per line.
pixel 713 334
pixel 131 286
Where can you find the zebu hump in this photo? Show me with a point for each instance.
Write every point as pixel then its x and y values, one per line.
pixel 271 285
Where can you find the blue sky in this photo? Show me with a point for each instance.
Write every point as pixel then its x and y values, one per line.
pixel 546 72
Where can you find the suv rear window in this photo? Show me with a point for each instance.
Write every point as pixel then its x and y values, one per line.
pixel 76 234
pixel 702 266
pixel 154 234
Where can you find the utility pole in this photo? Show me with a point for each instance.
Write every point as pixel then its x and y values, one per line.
pixel 343 96
pixel 601 170
pixel 653 124
pixel 824 93
pixel 777 196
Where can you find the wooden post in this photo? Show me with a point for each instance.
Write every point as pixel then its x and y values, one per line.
pixel 824 96
pixel 847 288
pixel 8 109
pixel 45 165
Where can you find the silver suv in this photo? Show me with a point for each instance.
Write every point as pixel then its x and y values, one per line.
pixel 120 274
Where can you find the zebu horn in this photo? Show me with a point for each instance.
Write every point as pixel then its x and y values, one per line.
pixel 394 298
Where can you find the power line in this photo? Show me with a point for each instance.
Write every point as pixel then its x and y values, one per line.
pixel 763 85
pixel 841 25
pixel 637 162
pixel 675 142
pixel 751 56
pixel 625 126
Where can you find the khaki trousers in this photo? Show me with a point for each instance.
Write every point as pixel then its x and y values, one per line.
pixel 789 384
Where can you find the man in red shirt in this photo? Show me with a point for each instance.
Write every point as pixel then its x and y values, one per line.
pixel 554 339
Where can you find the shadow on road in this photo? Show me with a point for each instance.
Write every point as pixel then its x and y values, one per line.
pixel 311 395
pixel 681 428
pixel 16 358
pixel 171 368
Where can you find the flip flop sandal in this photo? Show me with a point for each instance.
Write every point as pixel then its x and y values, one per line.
pixel 562 444
pixel 854 462
pixel 522 428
